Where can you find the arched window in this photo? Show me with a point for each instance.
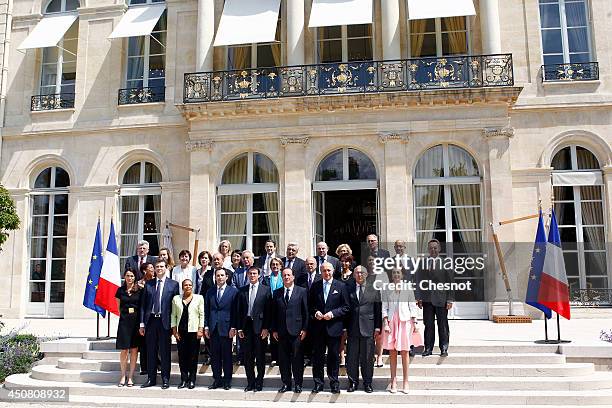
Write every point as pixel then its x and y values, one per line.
pixel 140 208
pixel 448 206
pixel 579 205
pixel 48 239
pixel 248 202
pixel 58 68
pixel 346 164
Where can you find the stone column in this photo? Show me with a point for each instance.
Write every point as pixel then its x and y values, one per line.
pixel 490 27
pixel 295 32
pixel 296 225
pixel 201 193
pixel 390 29
pixel 205 35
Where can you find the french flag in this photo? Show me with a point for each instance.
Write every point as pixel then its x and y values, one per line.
pixel 110 277
pixel 554 289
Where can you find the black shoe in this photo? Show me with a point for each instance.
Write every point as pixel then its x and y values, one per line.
pixel 411 352
pixel 368 388
pixel 249 388
pixel 427 352
pixel 143 372
pixel 258 387
pixel 317 388
pixel 335 390
pixel 206 360
pixel 297 389
pixel 307 362
pixel 351 387
pixel 214 385
pixel 284 388
pixel 183 384
pixel 227 386
pixel 191 385
pixel 444 352
pixel 148 384
pixel 165 386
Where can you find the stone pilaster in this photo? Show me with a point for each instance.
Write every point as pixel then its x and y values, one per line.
pixel 395 192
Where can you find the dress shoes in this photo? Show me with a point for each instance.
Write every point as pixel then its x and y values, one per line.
pixel 258 387
pixel 444 351
pixel 143 372
pixel 351 388
pixel 227 386
pixel 191 385
pixel 427 352
pixel 249 387
pixel 214 385
pixel 317 389
pixel 297 389
pixel 165 386
pixel 183 384
pixel 284 388
pixel 368 388
pixel 148 384
pixel 307 362
pixel 335 390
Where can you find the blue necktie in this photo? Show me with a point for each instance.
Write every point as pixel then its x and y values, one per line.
pixel 325 290
pixel 157 302
pixel 219 294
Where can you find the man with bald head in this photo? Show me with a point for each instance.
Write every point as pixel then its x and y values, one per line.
pixel 329 304
pixel 239 277
pixel 292 261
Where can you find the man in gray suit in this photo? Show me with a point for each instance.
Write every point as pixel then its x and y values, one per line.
pixel 435 303
pixel 363 323
pixel 142 256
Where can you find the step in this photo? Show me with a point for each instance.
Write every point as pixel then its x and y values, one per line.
pixel 455 358
pixel 432 397
pixel 591 381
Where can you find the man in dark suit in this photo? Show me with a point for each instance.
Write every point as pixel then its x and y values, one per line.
pixel 239 277
pixel 263 262
pixel 306 280
pixel 373 248
pixel 329 304
pixel 289 325
pixel 363 323
pixel 435 303
pixel 217 264
pixel 219 327
pixel 155 311
pixel 253 321
pixel 322 257
pixel 296 264
pixel 142 255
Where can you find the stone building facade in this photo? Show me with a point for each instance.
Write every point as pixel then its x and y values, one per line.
pixel 470 120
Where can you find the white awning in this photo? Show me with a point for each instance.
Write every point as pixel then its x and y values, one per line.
pixel 49 31
pixel 327 13
pixel 577 178
pixel 419 9
pixel 247 21
pixel 138 21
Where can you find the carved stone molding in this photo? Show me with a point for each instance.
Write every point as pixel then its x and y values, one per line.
pixel 492 132
pixel 401 136
pixel 300 140
pixel 199 145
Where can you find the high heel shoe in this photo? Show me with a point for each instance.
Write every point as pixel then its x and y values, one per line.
pixel 130 383
pixel 405 389
pixel 121 382
pixel 392 387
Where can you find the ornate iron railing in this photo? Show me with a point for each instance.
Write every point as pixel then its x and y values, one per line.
pixel 482 71
pixel 132 96
pixel 580 71
pixel 52 102
pixel 591 297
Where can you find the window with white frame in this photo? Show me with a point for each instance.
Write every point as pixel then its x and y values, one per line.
pixel 48 239
pixel 258 55
pixel 146 55
pixel 58 68
pixel 140 208
pixel 345 43
pixel 565 31
pixel 579 205
pixel 248 201
pixel 436 37
pixel 448 207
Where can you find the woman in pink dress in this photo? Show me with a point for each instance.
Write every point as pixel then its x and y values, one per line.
pixel 399 314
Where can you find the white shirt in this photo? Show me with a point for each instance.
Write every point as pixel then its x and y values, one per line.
pixel 220 295
pixel 252 294
pixel 161 290
pixel 289 263
pixel 266 264
pixel 290 291
pixel 179 274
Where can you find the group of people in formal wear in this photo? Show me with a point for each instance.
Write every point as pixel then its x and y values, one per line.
pixel 323 311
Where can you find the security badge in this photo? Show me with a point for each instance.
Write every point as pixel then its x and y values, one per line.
pixel 131 310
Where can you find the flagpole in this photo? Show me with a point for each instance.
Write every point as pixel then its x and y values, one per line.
pixel 108 325
pixel 545 329
pixel 559 341
pixel 97 326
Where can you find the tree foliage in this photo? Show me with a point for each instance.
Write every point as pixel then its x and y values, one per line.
pixel 9 220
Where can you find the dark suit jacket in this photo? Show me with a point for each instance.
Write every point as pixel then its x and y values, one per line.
pixel 260 314
pixel 239 277
pixel 259 262
pixel 131 264
pixel 292 318
pixel 298 268
pixel 220 315
pixel 331 259
pixel 337 303
pixel 436 275
pixel 302 280
pixel 205 280
pixel 365 315
pixel 380 253
pixel 171 289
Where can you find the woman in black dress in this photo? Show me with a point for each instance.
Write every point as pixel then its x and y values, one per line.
pixel 345 276
pixel 128 302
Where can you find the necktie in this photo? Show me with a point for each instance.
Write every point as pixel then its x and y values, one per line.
pixel 325 290
pixel 360 292
pixel 157 301
pixel 309 280
pixel 219 294
pixel 251 299
pixel 287 296
pixel 140 263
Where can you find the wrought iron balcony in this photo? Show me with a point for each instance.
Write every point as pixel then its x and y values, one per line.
pixel 52 102
pixel 592 297
pixel 133 96
pixel 482 71
pixel 579 71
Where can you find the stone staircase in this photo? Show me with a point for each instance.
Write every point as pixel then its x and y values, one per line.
pixel 480 375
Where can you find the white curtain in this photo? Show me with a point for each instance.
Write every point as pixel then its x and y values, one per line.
pixel 430 164
pixel 467 218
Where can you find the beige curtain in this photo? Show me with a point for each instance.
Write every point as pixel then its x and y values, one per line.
pixel 239 57
pixel 467 218
pixel 586 159
pixel 276 54
pixel 236 173
pixel 267 173
pixel 429 199
pixel 457 35
pixel 592 214
pixel 417 36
